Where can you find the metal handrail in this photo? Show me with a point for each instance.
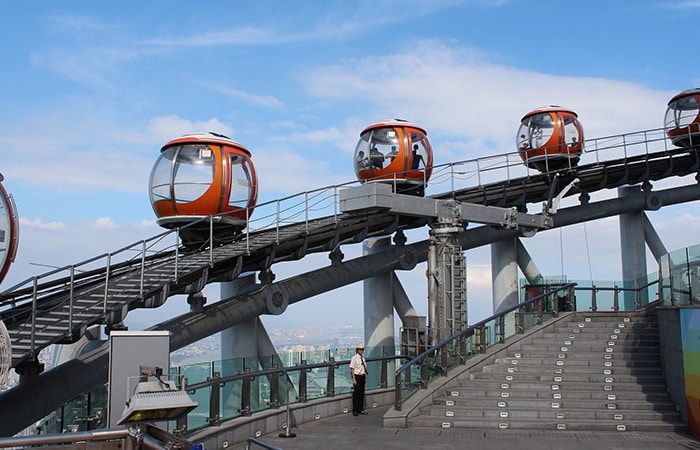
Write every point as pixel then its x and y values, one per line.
pixel 309 205
pixel 504 161
pixel 214 384
pixel 467 332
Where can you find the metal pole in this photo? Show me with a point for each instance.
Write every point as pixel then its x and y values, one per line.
pixel 287 432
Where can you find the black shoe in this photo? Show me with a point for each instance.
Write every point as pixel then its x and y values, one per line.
pixel 364 413
pixel 354 413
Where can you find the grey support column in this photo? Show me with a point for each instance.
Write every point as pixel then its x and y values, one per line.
pixel 632 248
pixel 378 309
pixel 237 342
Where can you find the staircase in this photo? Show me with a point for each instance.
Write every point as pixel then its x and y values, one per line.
pixel 593 372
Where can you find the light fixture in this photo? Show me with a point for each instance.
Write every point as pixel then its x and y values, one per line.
pixel 155 400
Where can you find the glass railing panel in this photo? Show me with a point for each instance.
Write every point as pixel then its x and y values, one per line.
pixel 199 417
pixel 665 279
pixel 342 380
pixel 293 379
pixel 605 293
pixel 231 399
pixel 693 274
pixel 195 373
pixel 260 393
pixel 410 381
pixel 316 383
pixel 680 292
pixel 584 295
pixel 510 324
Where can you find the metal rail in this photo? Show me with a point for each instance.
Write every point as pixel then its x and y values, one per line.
pixel 146 273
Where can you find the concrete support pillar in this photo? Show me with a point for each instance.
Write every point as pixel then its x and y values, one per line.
pixel 239 341
pixel 632 248
pixel 378 309
pixel 504 272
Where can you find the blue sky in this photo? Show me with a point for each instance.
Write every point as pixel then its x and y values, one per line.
pixel 92 90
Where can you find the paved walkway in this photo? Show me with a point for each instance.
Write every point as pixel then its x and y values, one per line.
pixel 366 432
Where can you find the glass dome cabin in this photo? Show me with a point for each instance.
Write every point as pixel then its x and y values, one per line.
pixel 396 152
pixel 200 175
pixel 682 121
pixel 550 138
pixel 9 230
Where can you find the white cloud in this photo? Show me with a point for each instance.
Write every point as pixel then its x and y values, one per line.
pixel 37 223
pixel 165 128
pixel 458 92
pixel 106 222
pixel 267 101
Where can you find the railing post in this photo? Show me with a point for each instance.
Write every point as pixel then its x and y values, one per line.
pixel 336 203
pixel 182 420
pixel 330 382
pixel 245 393
pixel 443 361
pixel 70 294
pixel 501 327
pixel 214 401
pixel 107 275
pixel 247 230
pixel 520 322
pixel 34 295
pixel 384 375
pixel 424 374
pixel 462 352
pixel 594 298
pixel 616 300
pixel 277 222
pixel 211 239
pixel 143 268
pixel 302 383
pixel 177 253
pixel 306 210
pixel 397 391
pixel 274 389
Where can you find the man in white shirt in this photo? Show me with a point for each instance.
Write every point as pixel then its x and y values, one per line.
pixel 358 369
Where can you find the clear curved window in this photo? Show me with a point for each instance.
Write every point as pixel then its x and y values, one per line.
pixel 535 130
pixel 160 176
pixel 193 172
pixel 419 151
pixel 682 112
pixel 5 231
pixel 241 183
pixel 377 148
pixel 572 131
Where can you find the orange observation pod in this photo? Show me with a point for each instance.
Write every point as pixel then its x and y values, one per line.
pixel 200 175
pixel 550 138
pixel 682 121
pixel 395 152
pixel 9 230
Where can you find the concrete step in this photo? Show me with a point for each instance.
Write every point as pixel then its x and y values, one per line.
pixel 572 361
pixel 549 403
pixel 466 399
pixel 569 377
pixel 613 367
pixel 591 373
pixel 550 414
pixel 549 425
pixel 607 384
